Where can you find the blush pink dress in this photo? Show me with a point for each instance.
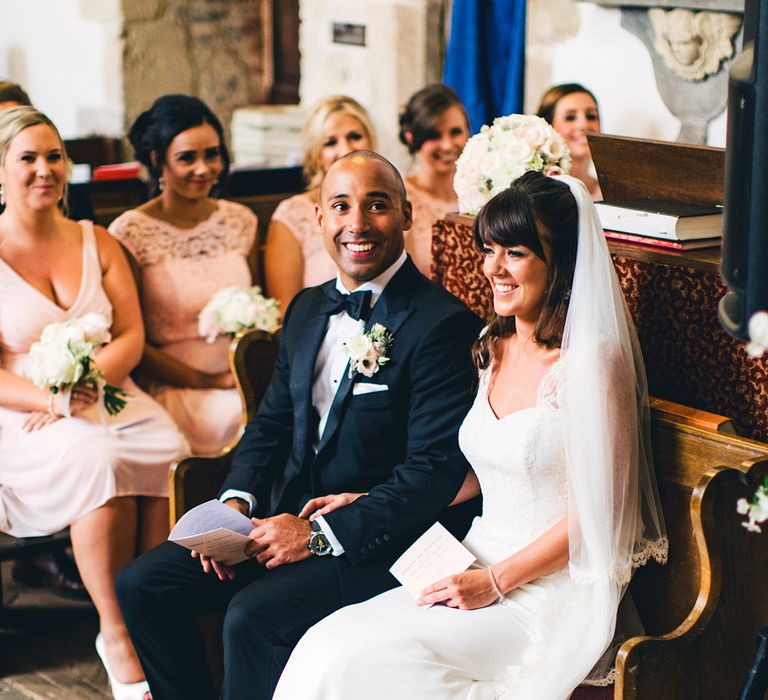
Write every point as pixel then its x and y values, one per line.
pixel 297 214
pixel 53 476
pixel 181 269
pixel 426 210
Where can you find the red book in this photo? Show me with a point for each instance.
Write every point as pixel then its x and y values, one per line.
pixel 663 242
pixel 117 171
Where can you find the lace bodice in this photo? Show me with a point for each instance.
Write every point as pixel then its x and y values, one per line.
pixel 520 463
pixel 182 268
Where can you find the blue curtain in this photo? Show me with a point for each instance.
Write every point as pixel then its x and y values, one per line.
pixel 486 57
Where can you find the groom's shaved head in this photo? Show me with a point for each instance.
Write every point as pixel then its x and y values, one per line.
pixel 362 156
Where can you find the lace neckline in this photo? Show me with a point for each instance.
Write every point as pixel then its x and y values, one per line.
pixel 177 229
pixel 544 391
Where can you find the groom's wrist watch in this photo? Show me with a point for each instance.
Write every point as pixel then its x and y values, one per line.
pixel 318 542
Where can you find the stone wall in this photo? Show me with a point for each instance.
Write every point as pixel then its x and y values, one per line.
pixel 402 53
pixel 213 49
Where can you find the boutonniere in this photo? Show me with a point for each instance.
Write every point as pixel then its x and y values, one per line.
pixel 367 352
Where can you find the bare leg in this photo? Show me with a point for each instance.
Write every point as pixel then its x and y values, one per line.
pixel 153 525
pixel 103 542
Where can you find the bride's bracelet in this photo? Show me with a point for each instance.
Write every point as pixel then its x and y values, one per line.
pixel 50 410
pixel 493 583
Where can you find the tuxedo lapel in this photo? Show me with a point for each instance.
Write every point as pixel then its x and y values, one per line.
pixel 302 375
pixel 391 311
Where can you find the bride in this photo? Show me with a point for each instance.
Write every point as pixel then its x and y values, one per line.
pixel 558 443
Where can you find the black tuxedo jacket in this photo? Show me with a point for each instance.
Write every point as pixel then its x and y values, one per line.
pixel 399 445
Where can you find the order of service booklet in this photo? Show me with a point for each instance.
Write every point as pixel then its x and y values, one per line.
pixel 216 530
pixel 434 556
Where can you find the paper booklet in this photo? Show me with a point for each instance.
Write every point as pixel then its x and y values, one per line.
pixel 435 555
pixel 215 530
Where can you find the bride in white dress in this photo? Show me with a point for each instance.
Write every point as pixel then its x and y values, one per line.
pixel 558 443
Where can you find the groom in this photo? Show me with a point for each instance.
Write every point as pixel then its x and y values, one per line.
pixel 379 423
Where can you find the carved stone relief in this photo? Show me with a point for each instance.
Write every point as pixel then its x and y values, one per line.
pixel 693 45
pixel 691 53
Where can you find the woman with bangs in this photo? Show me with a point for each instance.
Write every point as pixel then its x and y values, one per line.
pixel 557 440
pixel 295 256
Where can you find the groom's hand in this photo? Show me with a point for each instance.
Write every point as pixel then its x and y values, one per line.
pixel 281 539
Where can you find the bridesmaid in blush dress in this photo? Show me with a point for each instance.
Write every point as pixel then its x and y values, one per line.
pixel 295 256
pixel 187 246
pixel 435 128
pixel 107 482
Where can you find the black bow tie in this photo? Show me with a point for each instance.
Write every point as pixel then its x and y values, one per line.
pixel 357 305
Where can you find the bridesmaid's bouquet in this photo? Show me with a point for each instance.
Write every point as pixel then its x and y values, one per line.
pixel 233 310
pixel 64 357
pixel 501 153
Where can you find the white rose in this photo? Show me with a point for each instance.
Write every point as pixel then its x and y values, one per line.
pixel 95 328
pixel 207 325
pixel 358 346
pixel 50 365
pixel 742 506
pixel 758 333
pixel 760 509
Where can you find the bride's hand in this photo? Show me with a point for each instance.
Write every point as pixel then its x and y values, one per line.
pixel 468 590
pixel 325 504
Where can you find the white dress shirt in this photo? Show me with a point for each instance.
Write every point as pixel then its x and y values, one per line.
pixel 330 365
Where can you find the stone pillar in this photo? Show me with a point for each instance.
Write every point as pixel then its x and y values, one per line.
pixel 213 49
pixel 402 52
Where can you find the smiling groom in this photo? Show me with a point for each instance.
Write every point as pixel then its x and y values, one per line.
pixel 372 381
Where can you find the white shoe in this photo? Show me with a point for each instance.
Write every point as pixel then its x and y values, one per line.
pixel 120 691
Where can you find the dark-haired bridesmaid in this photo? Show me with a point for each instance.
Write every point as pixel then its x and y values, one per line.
pixel 187 246
pixel 435 127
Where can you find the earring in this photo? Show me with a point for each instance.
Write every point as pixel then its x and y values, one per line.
pixel 567 294
pixel 161 182
pixel 2 196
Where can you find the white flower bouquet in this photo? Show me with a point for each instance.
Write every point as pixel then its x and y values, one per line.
pixel 501 153
pixel 758 334
pixel 64 356
pixel 235 309
pixel 756 510
pixel 367 352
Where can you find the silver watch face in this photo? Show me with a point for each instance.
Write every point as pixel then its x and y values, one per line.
pixel 319 544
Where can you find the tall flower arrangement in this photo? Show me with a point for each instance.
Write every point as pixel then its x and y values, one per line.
pixel 502 152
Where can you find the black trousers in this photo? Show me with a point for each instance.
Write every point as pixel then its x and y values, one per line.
pixel 163 592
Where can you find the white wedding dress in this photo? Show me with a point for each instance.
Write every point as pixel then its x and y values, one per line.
pixel 388 647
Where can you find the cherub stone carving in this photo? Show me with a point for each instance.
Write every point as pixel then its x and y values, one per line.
pixel 694 44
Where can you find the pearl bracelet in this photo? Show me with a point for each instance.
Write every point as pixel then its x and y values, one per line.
pixel 494 584
pixel 51 397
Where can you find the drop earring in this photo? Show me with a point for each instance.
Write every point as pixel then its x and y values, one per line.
pixel 2 196
pixel 161 182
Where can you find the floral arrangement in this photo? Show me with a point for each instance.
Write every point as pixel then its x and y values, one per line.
pixel 64 356
pixel 502 152
pixel 233 310
pixel 756 510
pixel 367 352
pixel 758 333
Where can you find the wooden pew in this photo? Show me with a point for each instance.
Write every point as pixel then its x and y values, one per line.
pixel 701 611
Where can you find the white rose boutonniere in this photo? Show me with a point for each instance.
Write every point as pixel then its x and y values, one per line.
pixel 367 352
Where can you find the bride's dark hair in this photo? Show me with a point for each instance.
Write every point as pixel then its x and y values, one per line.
pixel 539 213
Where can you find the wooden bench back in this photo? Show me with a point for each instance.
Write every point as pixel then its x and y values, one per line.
pixel 702 610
